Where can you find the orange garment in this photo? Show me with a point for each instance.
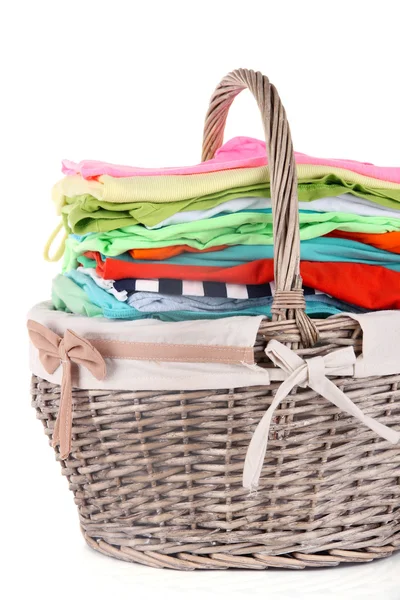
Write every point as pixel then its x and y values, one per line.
pixel 168 252
pixel 385 241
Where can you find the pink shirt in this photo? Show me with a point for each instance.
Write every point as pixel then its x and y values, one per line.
pixel 237 153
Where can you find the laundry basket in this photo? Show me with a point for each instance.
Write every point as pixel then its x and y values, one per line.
pixel 157 475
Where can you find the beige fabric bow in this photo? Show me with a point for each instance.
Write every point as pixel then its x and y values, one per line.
pixel 54 351
pixel 310 373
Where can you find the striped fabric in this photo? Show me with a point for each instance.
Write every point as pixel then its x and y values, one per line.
pixel 210 289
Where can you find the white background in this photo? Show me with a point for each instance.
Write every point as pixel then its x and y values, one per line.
pixel 129 82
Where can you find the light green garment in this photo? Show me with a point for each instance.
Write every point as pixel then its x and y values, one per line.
pixel 85 213
pixel 248 228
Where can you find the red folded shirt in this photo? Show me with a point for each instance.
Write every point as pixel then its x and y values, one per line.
pixel 255 272
pixel 371 287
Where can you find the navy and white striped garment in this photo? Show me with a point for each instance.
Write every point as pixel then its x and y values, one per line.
pixel 210 289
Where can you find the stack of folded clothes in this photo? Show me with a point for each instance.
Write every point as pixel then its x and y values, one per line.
pixel 196 242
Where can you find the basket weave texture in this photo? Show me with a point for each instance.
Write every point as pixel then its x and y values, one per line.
pixel 157 476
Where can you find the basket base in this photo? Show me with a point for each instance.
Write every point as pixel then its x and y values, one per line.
pixel 185 561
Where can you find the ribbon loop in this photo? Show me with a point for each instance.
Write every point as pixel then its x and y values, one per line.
pixel 311 373
pixel 60 250
pixel 54 351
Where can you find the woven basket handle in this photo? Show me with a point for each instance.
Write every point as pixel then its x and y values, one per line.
pixel 289 298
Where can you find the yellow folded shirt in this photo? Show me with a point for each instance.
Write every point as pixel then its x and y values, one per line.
pixel 170 188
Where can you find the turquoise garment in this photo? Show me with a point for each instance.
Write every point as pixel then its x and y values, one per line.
pixel 325 249
pixel 250 229
pixel 98 301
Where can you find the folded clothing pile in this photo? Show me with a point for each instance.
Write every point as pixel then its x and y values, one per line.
pixel 196 242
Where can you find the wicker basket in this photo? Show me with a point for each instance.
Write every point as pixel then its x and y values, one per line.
pixel 157 477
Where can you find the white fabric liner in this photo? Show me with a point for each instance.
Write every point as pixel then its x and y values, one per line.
pixel 124 374
pixel 381 343
pixel 380 351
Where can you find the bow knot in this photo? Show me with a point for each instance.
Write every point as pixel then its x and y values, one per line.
pixel 312 373
pixel 53 351
pixel 316 370
pixel 62 351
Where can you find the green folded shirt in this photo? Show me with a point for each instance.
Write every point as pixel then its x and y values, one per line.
pixel 248 228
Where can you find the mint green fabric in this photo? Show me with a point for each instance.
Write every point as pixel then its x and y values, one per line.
pixel 248 228
pixel 86 214
pixel 69 297
pixel 86 262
